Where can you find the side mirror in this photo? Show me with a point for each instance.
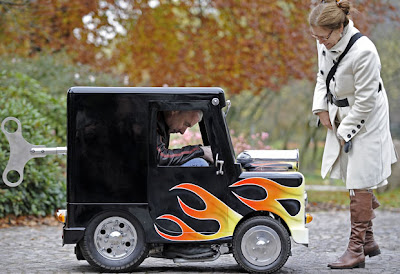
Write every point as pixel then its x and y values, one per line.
pixel 228 106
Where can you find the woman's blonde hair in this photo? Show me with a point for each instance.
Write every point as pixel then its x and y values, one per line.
pixel 330 14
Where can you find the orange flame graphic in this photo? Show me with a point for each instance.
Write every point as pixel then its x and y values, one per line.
pixel 275 192
pixel 215 210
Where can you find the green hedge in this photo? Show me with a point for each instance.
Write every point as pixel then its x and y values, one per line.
pixel 43 120
pixel 57 73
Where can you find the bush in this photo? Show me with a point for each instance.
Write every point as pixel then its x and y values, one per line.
pixel 43 120
pixel 58 73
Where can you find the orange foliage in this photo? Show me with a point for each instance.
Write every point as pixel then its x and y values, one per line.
pixel 238 45
pixel 30 27
pixel 234 44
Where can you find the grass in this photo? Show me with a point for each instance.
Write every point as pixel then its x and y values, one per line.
pixel 335 197
pixel 390 198
pixel 338 199
pixel 316 179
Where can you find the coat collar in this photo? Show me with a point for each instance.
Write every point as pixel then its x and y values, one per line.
pixel 340 46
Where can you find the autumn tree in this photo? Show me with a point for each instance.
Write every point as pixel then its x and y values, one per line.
pixel 239 45
pixel 31 27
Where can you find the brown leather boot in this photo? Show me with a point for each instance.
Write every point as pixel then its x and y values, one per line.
pixel 371 248
pixel 375 202
pixel 361 214
pixel 354 256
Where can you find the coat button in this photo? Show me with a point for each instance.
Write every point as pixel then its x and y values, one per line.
pixel 348 136
pixel 353 131
pixel 362 121
pixel 333 78
pixel 323 53
pixel 358 126
pixel 322 72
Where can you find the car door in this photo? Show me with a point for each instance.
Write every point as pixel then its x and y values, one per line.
pixel 187 203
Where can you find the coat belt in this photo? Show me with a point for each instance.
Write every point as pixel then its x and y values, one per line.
pixel 343 102
pixel 338 102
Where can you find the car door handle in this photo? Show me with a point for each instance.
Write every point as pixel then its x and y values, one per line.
pixel 219 163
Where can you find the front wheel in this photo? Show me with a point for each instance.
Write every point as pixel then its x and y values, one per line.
pixel 114 241
pixel 261 244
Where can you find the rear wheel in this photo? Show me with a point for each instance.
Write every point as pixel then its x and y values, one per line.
pixel 78 252
pixel 114 241
pixel 261 244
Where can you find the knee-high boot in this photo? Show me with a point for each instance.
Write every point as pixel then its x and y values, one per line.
pixel 361 213
pixel 371 248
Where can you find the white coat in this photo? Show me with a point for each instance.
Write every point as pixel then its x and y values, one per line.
pixel 365 121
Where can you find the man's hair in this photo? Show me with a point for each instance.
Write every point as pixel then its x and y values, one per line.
pixel 198 111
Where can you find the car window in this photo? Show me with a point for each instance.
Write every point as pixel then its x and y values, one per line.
pixel 180 140
pixel 192 136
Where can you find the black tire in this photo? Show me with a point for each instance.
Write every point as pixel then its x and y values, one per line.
pixel 78 252
pixel 261 245
pixel 114 241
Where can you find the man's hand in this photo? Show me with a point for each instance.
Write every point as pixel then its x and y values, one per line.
pixel 324 119
pixel 208 156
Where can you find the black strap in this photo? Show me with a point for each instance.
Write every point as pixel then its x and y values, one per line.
pixel 340 103
pixel 332 72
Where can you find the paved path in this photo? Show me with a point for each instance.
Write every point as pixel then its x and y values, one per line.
pixel 39 250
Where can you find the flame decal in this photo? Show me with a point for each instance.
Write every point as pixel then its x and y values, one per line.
pixel 215 210
pixel 274 192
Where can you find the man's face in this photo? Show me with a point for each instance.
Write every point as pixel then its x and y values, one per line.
pixel 179 121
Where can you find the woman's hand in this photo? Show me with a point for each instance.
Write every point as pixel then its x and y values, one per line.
pixel 324 119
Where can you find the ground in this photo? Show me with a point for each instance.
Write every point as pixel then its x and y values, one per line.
pixel 37 248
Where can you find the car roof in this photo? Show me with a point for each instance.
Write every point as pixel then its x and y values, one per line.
pixel 155 90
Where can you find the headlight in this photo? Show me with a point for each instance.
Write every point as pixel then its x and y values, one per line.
pixel 309 218
pixel 61 215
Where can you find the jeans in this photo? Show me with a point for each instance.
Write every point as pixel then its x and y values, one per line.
pixel 196 162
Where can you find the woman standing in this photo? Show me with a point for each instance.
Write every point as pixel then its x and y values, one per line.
pixel 351 103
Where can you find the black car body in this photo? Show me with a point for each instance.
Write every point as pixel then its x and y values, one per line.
pixel 116 189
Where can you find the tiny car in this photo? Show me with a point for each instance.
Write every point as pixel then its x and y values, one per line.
pixel 123 207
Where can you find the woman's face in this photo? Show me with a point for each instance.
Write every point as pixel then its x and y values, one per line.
pixel 328 37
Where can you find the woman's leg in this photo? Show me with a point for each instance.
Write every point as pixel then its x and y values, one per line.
pixel 361 213
pixel 371 248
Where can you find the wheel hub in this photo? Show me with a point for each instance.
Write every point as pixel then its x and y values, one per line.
pixel 261 245
pixel 115 238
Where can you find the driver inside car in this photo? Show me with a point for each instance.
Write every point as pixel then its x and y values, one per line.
pixel 177 121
